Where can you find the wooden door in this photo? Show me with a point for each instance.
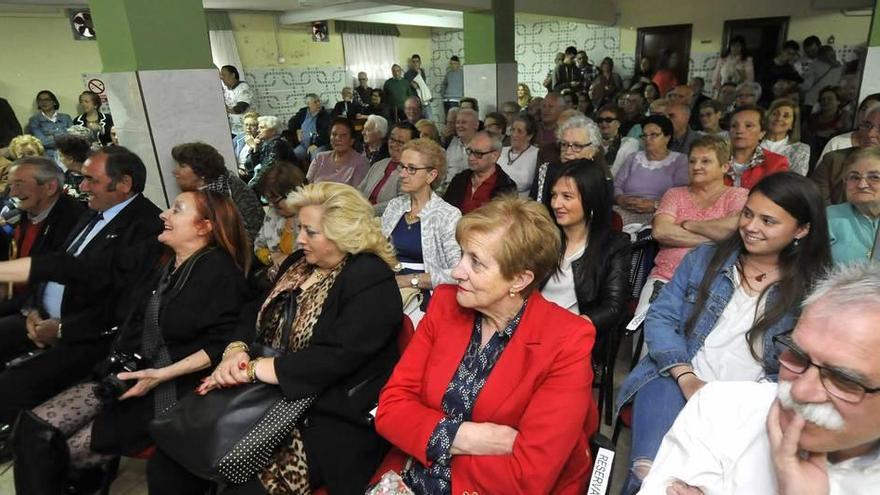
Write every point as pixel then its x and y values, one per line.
pixel 764 37
pixel 651 41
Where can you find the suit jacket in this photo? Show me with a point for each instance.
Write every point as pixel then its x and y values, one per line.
pixel 353 109
pixel 460 184
pixel 88 315
pixel 540 386
pixel 54 230
pixel 349 358
pixel 389 191
pixel 828 175
pixel 322 126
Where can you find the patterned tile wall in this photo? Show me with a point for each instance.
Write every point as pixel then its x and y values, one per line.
pixel 281 91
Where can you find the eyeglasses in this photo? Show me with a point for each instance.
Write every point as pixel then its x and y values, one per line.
pixel 836 383
pixel 410 170
pixel 868 127
pixel 855 179
pixel 605 120
pixel 478 154
pixel 275 200
pixel 392 140
pixel 652 135
pixel 576 147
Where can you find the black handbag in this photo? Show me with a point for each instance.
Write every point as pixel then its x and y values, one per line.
pixel 229 435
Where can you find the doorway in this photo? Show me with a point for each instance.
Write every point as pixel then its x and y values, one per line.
pixel 651 42
pixel 764 37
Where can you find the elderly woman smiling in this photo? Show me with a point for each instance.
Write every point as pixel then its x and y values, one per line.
pixel 493 393
pixel 854 226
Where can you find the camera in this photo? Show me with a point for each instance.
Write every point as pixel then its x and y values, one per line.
pixel 110 387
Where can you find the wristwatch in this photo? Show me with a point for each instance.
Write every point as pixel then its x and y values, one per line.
pixel 414 282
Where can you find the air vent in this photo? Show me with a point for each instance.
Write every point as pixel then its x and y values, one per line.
pixel 82 25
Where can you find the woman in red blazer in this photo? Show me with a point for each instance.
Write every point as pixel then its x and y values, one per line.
pixel 749 162
pixel 493 394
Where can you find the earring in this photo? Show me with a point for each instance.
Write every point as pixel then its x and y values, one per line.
pixel 796 241
pixel 511 292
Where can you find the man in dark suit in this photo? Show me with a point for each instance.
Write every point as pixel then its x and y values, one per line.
pixel 9 125
pixel 47 216
pixel 73 324
pixel 346 107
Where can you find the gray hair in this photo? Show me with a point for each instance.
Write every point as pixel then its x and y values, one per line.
pixel 847 286
pixel 379 122
pixel 494 140
pixel 45 170
pixel 313 96
pixel 581 122
pixel 755 87
pixel 469 111
pixel 270 121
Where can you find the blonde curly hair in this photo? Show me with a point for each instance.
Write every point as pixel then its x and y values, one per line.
pixel 19 143
pixel 348 220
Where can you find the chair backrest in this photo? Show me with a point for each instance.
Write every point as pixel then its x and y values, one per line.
pixel 406 333
pixel 644 249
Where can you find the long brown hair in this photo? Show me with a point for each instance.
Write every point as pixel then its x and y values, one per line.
pixel 227 230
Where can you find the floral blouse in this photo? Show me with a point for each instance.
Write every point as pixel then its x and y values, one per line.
pixel 458 404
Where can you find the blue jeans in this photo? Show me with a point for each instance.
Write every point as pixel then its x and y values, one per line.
pixel 655 407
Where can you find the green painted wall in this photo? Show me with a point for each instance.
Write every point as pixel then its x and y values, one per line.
pixel 489 36
pixel 874 36
pixel 151 35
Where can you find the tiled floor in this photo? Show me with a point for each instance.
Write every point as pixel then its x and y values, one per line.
pixel 131 479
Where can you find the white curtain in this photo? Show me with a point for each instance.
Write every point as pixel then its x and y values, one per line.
pixel 370 53
pixel 224 51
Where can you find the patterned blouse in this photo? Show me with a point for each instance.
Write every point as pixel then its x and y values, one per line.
pixel 458 404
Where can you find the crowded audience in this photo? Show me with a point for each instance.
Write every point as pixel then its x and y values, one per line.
pixel 511 226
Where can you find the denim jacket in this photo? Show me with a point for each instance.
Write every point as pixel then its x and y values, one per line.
pixel 45 130
pixel 668 346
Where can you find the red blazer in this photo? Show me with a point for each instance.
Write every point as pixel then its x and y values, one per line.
pixel 541 386
pixel 773 163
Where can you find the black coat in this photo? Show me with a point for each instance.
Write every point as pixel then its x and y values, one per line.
pixel 54 230
pixel 350 357
pixel 322 126
pixel 353 109
pixel 9 125
pixel 458 187
pixel 202 314
pixel 604 296
pixel 86 314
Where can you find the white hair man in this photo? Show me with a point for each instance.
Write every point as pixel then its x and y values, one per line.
pixel 816 432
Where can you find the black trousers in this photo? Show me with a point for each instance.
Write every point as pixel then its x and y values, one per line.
pixel 43 377
pixel 13 338
pixel 164 475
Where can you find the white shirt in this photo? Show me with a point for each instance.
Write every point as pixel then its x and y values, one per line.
pixel 719 444
pixel 456 160
pixel 628 146
pixel 241 93
pixel 521 168
pixel 560 287
pixel 777 147
pixel 725 354
pixel 839 142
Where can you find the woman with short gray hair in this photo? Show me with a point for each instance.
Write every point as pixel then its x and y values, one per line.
pixel 375 138
pixel 265 152
pixel 578 138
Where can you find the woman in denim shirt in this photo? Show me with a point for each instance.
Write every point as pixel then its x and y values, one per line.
pixel 700 327
pixel 48 122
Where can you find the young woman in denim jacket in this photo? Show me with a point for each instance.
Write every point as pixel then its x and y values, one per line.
pixel 48 122
pixel 780 247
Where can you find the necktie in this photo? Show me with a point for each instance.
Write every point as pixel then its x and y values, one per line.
pixel 85 233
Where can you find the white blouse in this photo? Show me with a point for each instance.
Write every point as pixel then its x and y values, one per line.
pixel 560 287
pixel 521 168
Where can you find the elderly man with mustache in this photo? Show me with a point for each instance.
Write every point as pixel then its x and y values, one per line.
pixel 815 432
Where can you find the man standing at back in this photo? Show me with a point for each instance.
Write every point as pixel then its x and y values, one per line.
pixel 73 324
pixel 396 91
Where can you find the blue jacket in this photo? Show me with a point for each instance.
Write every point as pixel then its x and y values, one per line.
pixel 668 346
pixel 45 130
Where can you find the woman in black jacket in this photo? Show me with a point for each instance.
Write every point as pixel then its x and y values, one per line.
pixel 593 275
pixel 342 326
pixel 182 305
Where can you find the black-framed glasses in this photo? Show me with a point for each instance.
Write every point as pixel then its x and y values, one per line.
pixel 410 170
pixel 651 135
pixel 478 154
pixel 605 120
pixel 576 147
pixel 855 178
pixel 836 382
pixel 392 140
